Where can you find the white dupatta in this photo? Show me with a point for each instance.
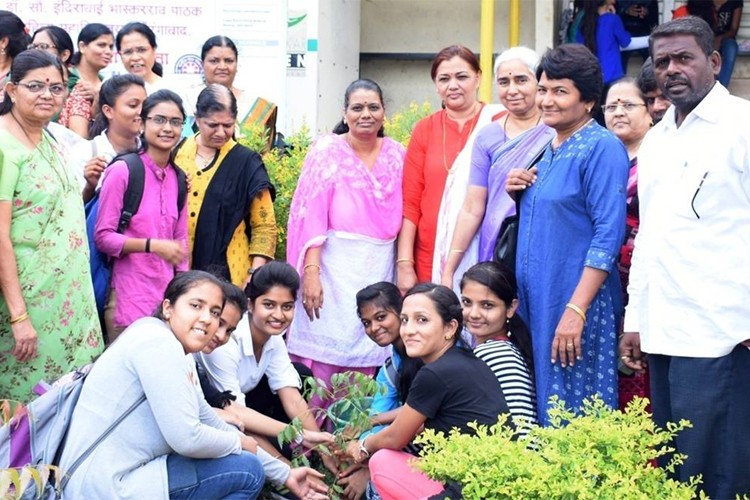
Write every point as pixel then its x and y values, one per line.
pixel 454 194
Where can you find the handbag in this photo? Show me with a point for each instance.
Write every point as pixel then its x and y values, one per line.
pixel 507 238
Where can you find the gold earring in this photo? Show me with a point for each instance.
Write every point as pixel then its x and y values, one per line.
pixel 448 337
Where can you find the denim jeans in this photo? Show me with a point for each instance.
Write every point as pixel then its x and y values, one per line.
pixel 728 51
pixel 232 477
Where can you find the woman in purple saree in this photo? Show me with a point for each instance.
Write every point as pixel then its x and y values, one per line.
pixel 512 140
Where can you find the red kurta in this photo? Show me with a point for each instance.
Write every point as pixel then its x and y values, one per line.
pixel 434 145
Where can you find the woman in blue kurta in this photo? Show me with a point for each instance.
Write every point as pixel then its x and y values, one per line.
pixel 571 229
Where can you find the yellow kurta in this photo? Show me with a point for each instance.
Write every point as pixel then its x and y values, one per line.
pixel 261 214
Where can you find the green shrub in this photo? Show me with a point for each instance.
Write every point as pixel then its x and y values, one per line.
pixel 400 125
pixel 601 453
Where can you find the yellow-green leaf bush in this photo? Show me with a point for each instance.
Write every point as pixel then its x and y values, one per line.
pixel 599 453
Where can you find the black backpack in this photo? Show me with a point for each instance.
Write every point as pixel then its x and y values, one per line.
pixel 131 201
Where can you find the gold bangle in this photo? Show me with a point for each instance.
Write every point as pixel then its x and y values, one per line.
pixel 456 250
pixel 576 310
pixel 18 319
pixel 404 259
pixel 310 265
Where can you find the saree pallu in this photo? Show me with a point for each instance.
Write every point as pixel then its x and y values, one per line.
pixel 454 194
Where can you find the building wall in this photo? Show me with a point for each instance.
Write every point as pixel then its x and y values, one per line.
pixel 425 27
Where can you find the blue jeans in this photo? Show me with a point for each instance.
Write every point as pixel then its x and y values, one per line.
pixel 728 51
pixel 233 477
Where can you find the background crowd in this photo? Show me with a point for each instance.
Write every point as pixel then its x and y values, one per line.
pixel 392 254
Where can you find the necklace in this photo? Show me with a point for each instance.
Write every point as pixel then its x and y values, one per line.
pixel 505 125
pixel 204 160
pixel 51 156
pixel 473 120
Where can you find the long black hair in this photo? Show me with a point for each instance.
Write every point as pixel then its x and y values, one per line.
pixel 500 280
pixel 88 34
pixel 110 91
pixel 590 23
pixel 387 296
pixel 12 27
pixel 183 283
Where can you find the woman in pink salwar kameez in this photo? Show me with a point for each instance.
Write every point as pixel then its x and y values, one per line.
pixel 343 223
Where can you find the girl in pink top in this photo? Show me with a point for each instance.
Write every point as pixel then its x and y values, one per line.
pixel 154 245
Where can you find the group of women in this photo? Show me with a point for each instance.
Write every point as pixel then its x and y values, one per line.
pixel 365 211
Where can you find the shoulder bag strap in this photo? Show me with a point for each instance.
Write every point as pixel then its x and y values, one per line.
pixel 71 470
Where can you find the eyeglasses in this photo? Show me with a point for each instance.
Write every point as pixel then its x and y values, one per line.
pixel 628 107
pixel 163 120
pixel 137 50
pixel 56 89
pixel 40 46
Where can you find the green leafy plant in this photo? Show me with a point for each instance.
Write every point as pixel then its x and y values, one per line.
pixel 400 125
pixel 283 168
pixel 599 453
pixel 347 403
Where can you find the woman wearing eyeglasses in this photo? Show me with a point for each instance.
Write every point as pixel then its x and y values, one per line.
pixel 95 44
pixel 48 320
pixel 153 248
pixel 136 44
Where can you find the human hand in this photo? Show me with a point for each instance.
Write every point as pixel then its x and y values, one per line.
pixel 519 179
pixel 86 90
pixel 312 293
pixel 446 279
pixel 567 341
pixel 230 418
pixel 311 439
pixel 171 251
pixel 93 170
pixel 354 481
pixel 189 182
pixel 630 351
pixel 26 339
pixel 307 484
pixel 406 276
pixel 353 450
pixel 248 444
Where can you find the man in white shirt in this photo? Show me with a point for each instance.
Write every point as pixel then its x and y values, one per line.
pixel 689 289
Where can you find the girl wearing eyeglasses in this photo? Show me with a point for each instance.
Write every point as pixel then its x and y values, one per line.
pixel 48 320
pixel 153 248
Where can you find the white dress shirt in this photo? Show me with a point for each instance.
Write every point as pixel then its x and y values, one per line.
pixel 690 276
pixel 233 367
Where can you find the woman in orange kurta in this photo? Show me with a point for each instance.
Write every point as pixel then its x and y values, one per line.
pixel 433 151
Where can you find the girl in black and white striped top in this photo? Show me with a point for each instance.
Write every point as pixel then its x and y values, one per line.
pixel 489 301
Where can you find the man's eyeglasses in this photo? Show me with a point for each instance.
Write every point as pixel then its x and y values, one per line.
pixel 40 46
pixel 56 89
pixel 163 120
pixel 628 107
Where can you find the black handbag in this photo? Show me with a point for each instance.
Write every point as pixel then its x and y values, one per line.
pixel 507 238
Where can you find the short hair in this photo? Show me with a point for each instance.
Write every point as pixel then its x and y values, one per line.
pixel 690 25
pixel 111 89
pixel 88 34
pixel 22 64
pixel 574 62
pixel 524 54
pixel 646 80
pixel 361 84
pixel 13 27
pixel 449 53
pixel 60 38
pixel 218 41
pixel 148 33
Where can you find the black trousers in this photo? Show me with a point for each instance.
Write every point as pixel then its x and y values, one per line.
pixel 714 395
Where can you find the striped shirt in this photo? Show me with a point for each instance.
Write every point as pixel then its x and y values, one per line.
pixel 507 363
